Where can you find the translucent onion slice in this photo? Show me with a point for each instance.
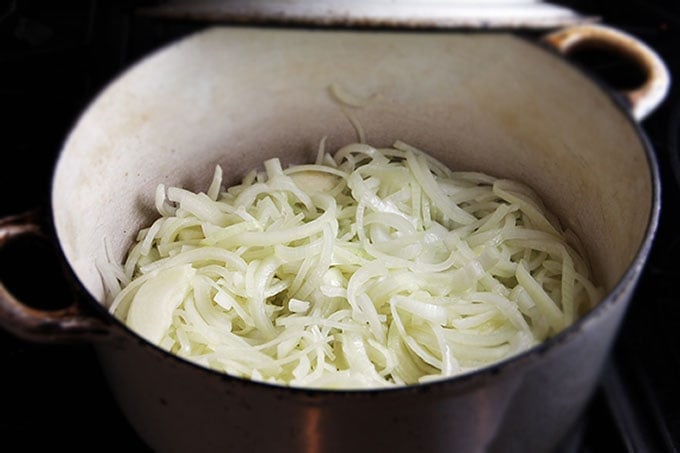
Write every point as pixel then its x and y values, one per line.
pixel 371 267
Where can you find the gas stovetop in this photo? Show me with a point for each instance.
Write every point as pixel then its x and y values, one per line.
pixel 56 58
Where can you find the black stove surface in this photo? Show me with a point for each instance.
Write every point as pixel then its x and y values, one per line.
pixel 55 56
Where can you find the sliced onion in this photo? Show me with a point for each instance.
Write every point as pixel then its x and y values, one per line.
pixel 373 267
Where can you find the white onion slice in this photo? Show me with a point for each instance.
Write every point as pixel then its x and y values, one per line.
pixel 372 267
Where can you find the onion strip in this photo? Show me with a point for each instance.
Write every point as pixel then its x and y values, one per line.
pixel 371 267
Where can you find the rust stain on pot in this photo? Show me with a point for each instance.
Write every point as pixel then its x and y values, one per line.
pixel 312 430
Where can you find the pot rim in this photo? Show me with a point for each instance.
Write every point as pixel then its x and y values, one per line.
pixel 473 378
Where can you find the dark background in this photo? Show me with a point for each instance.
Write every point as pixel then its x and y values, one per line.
pixel 56 56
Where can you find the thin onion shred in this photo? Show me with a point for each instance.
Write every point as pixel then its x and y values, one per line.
pixel 369 268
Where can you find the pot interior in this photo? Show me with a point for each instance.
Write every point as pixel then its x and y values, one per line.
pixel 489 102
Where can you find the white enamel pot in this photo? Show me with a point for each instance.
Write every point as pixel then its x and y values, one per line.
pixel 493 102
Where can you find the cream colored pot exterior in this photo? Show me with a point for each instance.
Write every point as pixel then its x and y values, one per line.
pixel 489 102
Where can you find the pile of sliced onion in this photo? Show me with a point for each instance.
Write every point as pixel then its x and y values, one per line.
pixel 372 267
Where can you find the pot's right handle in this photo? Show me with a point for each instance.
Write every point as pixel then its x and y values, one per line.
pixel 643 99
pixel 65 325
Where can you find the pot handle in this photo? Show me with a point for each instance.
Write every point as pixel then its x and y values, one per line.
pixel 70 324
pixel 642 99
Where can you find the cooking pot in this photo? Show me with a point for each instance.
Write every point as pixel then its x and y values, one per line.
pixel 495 102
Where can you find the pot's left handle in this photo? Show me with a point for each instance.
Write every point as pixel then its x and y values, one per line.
pixel 70 324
